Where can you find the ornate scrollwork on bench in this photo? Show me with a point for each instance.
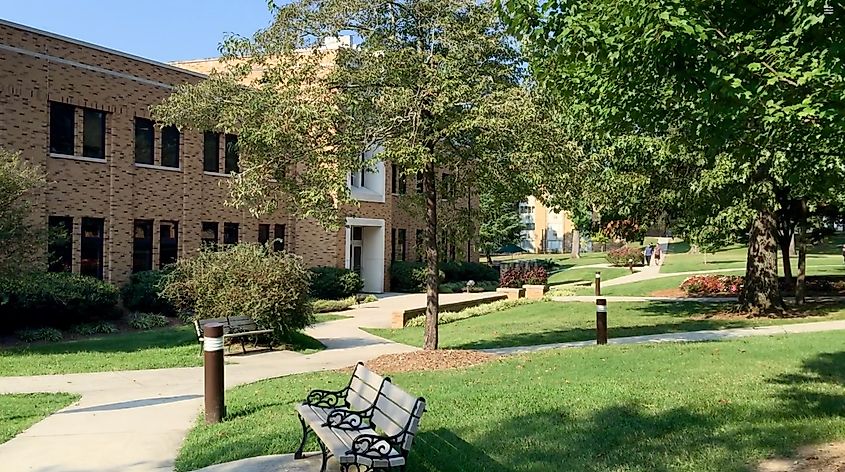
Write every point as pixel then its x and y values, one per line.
pixel 349 420
pixel 327 398
pixel 376 447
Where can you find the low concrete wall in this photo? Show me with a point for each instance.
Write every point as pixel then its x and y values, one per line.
pixel 401 317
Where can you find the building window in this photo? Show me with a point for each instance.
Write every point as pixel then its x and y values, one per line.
pixel 94 133
pixel 400 244
pixel 420 182
pixel 170 146
pixel 357 179
pixel 279 238
pixel 263 234
pixel 168 243
pixel 209 235
pixel 142 246
pixel 398 180
pixel 230 233
pixel 231 154
pixel 144 139
pixel 211 151
pixel 60 248
pixel 91 260
pixel 61 128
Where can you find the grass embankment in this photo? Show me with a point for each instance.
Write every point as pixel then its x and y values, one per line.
pixel 155 349
pixel 554 322
pixel 20 411
pixel 703 407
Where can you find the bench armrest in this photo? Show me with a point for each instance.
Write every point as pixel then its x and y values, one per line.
pixel 349 420
pixel 327 398
pixel 375 447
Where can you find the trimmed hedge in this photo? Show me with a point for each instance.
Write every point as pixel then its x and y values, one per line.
pixel 143 293
pixel 409 276
pixel 334 283
pixel 58 300
pixel 626 255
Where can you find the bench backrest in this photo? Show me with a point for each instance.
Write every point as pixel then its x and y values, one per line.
pixel 398 413
pixel 364 387
pixel 240 323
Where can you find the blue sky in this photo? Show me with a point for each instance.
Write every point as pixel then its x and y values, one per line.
pixel 155 29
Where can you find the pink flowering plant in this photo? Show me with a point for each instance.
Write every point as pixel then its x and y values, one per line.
pixel 712 285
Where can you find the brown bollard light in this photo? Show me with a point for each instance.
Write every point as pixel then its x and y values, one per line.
pixel 215 407
pixel 598 283
pixel 601 321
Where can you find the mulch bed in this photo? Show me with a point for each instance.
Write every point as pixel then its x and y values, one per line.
pixel 427 360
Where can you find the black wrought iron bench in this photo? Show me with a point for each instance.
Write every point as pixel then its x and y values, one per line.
pixel 234 327
pixel 368 425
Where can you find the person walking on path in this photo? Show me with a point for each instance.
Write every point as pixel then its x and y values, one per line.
pixel 657 254
pixel 649 250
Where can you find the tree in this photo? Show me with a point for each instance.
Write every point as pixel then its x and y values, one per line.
pixel 755 88
pixel 500 225
pixel 19 239
pixel 434 86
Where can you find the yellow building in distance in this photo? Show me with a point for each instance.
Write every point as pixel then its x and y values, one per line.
pixel 545 230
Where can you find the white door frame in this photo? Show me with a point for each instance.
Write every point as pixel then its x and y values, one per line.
pixel 372 264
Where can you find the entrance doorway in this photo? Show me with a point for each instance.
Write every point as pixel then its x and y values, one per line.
pixel 365 251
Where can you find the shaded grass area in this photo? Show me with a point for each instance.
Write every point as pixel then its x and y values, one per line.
pixel 155 349
pixel 712 407
pixel 20 411
pixel 554 322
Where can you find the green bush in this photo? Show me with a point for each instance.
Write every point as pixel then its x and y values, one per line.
pixel 143 293
pixel 145 321
pixel 458 287
pixel 41 334
pixel 90 329
pixel 57 300
pixel 625 256
pixel 270 287
pixel 328 306
pixel 462 271
pixel 334 283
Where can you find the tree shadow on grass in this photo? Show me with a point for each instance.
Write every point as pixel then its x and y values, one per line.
pixel 442 450
pixel 805 390
pixel 123 342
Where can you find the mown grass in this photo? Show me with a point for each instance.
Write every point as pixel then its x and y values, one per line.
pixel 155 349
pixel 700 407
pixel 585 275
pixel 553 322
pixel 20 411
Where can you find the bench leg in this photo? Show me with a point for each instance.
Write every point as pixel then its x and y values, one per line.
pixel 305 428
pixel 243 345
pixel 325 456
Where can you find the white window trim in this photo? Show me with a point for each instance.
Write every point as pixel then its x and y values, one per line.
pixel 366 195
pixel 77 158
pixel 155 167
pixel 216 174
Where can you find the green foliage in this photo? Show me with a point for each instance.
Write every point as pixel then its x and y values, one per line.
pixel 19 240
pixel 143 293
pixel 409 276
pixel 455 271
pixel 270 287
pixel 54 299
pixel 626 256
pixel 146 321
pixel 500 224
pixel 459 287
pixel 328 306
pixel 334 283
pixel 39 334
pixel 519 275
pixel 472 312
pixel 90 329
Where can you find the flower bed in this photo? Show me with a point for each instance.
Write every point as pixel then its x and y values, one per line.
pixel 712 285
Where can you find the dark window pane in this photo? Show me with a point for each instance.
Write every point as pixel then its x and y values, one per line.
pixel 211 152
pixel 170 146
pixel 263 233
pixel 61 128
pixel 60 248
pixel 231 154
pixel 91 260
pixel 402 236
pixel 393 244
pixel 94 134
pixel 168 243
pixel 230 233
pixel 142 245
pixel 403 184
pixel 394 178
pixel 144 141
pixel 279 238
pixel 209 235
pixel 357 233
pixel 419 182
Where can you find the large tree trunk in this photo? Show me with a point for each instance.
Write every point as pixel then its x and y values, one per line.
pixel 785 244
pixel 576 244
pixel 432 275
pixel 761 294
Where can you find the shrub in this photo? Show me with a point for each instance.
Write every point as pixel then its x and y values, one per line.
pixel 333 283
pixel 54 299
pixel 536 276
pixel 471 312
pixel 459 287
pixel 143 293
pixel 625 256
pixel 407 276
pixel 90 329
pixel 40 334
pixel 462 271
pixel 270 287
pixel 145 321
pixel 328 306
pixel 517 276
pixel 712 285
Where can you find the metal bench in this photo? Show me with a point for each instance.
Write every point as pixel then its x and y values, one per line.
pixel 234 327
pixel 368 425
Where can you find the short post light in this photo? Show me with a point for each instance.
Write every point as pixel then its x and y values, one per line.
pixel 215 407
pixel 470 285
pixel 601 321
pixel 598 283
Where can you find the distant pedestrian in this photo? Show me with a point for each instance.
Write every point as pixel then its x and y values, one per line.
pixel 657 253
pixel 843 253
pixel 649 250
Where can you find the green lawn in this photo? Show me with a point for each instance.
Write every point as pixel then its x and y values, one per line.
pixel 699 407
pixel 20 411
pixel 552 322
pixel 562 259
pixel 322 318
pixel 156 349
pixel 585 275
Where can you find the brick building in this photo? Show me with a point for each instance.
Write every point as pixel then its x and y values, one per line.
pixel 133 196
